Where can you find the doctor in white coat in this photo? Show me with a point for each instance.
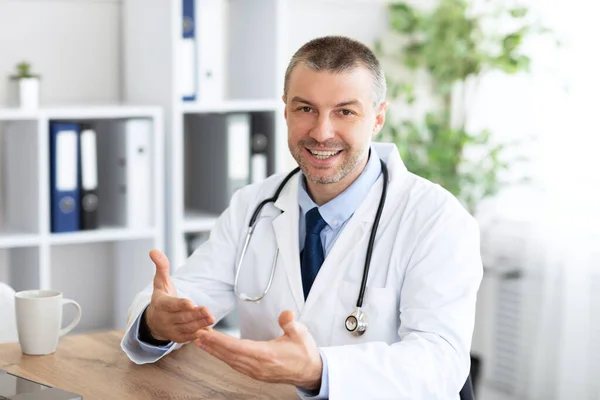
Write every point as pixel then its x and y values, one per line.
pixel 425 267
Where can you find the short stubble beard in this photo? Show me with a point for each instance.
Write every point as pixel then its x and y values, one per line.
pixel 350 162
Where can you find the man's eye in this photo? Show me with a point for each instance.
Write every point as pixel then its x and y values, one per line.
pixel 306 109
pixel 346 112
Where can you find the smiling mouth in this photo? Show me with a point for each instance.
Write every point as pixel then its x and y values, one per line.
pixel 323 155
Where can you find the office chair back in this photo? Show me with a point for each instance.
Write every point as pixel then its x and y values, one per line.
pixel 467 392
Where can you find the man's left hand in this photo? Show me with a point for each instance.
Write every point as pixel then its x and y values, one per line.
pixel 292 358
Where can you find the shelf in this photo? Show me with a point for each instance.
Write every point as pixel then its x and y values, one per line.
pixel 232 106
pixel 196 221
pixel 80 112
pixel 102 111
pixel 101 235
pixel 16 114
pixel 10 239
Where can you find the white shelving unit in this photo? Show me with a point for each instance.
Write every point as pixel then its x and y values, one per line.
pixel 260 36
pixel 252 80
pixel 102 269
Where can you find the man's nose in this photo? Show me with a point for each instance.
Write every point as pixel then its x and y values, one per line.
pixel 323 129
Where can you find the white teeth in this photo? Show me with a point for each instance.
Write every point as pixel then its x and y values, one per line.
pixel 322 155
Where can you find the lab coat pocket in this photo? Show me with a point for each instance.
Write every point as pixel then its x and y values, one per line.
pixel 381 308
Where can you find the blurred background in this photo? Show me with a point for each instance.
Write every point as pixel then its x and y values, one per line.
pixel 496 100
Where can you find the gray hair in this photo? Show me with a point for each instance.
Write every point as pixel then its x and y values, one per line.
pixel 338 54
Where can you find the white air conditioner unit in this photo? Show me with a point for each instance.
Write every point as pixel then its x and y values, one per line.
pixel 509 312
pixel 538 316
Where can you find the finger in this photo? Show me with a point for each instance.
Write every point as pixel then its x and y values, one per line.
pixel 188 337
pixel 288 323
pixel 285 318
pixel 205 311
pixel 224 349
pixel 184 317
pixel 192 327
pixel 232 348
pixel 174 304
pixel 161 277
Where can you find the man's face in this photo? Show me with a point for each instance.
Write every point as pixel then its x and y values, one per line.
pixel 331 120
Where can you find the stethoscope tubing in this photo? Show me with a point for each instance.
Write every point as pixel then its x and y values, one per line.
pixel 273 199
pixel 363 284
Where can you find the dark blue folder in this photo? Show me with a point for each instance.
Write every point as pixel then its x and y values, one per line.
pixel 64 185
pixel 188 31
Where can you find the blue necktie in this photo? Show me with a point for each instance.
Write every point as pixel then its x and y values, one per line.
pixel 312 256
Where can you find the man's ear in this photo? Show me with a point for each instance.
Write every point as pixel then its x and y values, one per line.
pixel 380 118
pixel 285 108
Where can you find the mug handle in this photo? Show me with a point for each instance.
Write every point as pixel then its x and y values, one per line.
pixel 75 321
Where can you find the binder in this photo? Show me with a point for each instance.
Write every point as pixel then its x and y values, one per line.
pixel 187 53
pixel 64 188
pixel 211 49
pixel 139 172
pixel 258 160
pixel 126 179
pixel 217 159
pixel 88 177
pixel 263 126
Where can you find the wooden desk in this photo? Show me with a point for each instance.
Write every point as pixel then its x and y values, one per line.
pixel 95 367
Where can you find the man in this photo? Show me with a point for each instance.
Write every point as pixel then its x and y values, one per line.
pixel 425 267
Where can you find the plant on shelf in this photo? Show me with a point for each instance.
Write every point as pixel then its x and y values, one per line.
pixel 450 48
pixel 27 91
pixel 24 72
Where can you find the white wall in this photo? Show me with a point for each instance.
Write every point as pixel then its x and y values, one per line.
pixel 75 45
pixel 361 20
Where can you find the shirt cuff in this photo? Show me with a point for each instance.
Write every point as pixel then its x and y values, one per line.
pixel 144 345
pixel 324 390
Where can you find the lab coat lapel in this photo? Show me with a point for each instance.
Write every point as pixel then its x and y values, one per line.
pixel 286 234
pixel 351 242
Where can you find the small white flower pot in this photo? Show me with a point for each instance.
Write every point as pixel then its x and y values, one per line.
pixel 29 92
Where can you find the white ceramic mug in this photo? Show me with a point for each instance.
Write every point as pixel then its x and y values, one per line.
pixel 39 319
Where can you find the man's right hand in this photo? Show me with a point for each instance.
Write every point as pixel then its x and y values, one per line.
pixel 169 317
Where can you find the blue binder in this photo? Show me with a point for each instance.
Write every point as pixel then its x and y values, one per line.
pixel 188 50
pixel 64 169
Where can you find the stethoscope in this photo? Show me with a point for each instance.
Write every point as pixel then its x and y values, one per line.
pixel 356 323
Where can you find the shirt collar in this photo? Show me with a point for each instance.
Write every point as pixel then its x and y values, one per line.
pixel 340 208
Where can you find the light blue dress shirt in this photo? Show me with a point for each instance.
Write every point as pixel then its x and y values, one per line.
pixel 336 214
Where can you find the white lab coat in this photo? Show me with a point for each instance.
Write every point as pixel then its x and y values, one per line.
pixel 420 302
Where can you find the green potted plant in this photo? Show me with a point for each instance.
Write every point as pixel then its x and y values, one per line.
pixel 27 86
pixel 452 48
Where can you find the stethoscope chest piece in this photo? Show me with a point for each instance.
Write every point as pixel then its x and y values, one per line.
pixel 356 323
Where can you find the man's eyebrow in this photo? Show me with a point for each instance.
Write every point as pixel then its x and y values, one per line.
pixel 298 99
pixel 349 103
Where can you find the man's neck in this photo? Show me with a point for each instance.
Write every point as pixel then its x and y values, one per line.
pixel 322 193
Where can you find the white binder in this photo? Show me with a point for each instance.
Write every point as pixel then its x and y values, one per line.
pixel 238 150
pixel 126 188
pixel 89 163
pixel 211 49
pixel 186 53
pixel 258 168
